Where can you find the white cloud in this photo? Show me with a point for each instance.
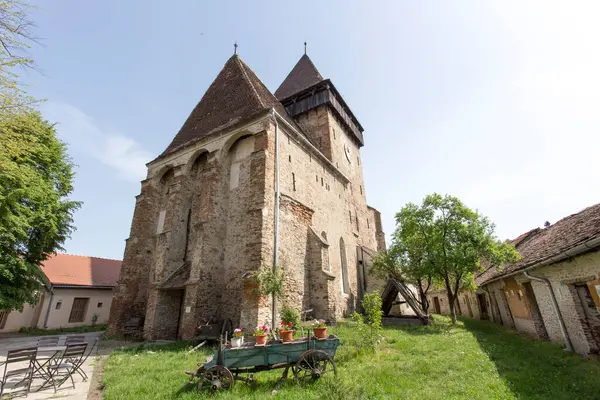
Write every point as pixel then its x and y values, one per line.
pixel 523 138
pixel 85 135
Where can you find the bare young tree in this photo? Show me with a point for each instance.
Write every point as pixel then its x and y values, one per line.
pixel 16 37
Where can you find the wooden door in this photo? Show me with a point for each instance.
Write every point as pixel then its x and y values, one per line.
pixel 436 305
pixel 592 315
pixel 79 309
pixel 483 312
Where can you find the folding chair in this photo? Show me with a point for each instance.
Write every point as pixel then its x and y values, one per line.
pixel 46 352
pixel 65 368
pixel 80 362
pixel 77 339
pixel 51 341
pixel 24 357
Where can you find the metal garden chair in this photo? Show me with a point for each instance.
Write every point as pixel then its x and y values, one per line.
pixel 75 339
pixel 23 361
pixel 65 367
pixel 47 349
pixel 81 361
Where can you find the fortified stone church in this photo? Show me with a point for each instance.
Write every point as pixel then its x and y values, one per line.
pixel 207 213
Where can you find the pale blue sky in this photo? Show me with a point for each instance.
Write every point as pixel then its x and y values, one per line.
pixel 496 103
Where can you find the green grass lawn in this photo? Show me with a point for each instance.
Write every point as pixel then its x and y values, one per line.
pixel 473 360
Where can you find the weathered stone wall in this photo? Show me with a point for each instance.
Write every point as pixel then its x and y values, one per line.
pixel 514 306
pixel 374 217
pixel 339 206
pixel 131 293
pixel 206 217
pixel 563 276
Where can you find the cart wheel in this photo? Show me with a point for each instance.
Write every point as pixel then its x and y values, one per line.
pixel 313 364
pixel 215 378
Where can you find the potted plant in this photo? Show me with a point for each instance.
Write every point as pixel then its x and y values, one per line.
pixel 238 338
pixel 260 333
pixel 286 331
pixel 320 328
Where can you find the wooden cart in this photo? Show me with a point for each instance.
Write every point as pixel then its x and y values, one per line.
pixel 309 358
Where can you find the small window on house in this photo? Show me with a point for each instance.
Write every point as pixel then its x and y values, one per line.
pixel 361 190
pixel 321 181
pixel 80 306
pixel 58 305
pixel 294 181
pixel 317 178
pixel 290 158
pixel 99 304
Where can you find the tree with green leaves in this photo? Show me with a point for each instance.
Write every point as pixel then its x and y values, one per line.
pixel 406 263
pixel 16 36
pixel 36 215
pixel 443 241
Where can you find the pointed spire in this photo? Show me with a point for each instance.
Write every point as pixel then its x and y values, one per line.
pixel 303 75
pixel 236 95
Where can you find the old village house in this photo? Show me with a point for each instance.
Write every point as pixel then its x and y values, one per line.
pixel 552 293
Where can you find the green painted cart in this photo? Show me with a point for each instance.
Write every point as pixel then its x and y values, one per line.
pixel 309 358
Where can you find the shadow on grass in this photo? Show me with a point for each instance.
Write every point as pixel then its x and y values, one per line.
pixel 536 369
pixel 437 326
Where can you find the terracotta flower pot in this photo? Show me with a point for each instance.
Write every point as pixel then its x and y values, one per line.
pixel 261 339
pixel 286 336
pixel 321 333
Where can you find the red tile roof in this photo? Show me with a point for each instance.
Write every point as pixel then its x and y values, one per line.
pixel 540 245
pixel 66 269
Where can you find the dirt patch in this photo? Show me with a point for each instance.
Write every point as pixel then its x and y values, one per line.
pixel 96 386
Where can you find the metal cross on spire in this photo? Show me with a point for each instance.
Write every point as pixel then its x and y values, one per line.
pixel 235 46
pixel 305 48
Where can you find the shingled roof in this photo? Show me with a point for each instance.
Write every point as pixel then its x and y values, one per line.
pixel 302 76
pixel 540 245
pixel 235 96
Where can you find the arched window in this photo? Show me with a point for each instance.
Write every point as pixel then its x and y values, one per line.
pixel 238 152
pixel 199 165
pixel 165 188
pixel 344 267
pixel 165 181
pixel 325 253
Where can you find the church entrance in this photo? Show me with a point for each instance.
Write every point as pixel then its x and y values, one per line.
pixel 168 314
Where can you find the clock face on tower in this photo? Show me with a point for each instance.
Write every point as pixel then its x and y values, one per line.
pixel 347 151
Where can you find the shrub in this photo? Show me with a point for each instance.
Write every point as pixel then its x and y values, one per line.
pixel 269 282
pixel 368 327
